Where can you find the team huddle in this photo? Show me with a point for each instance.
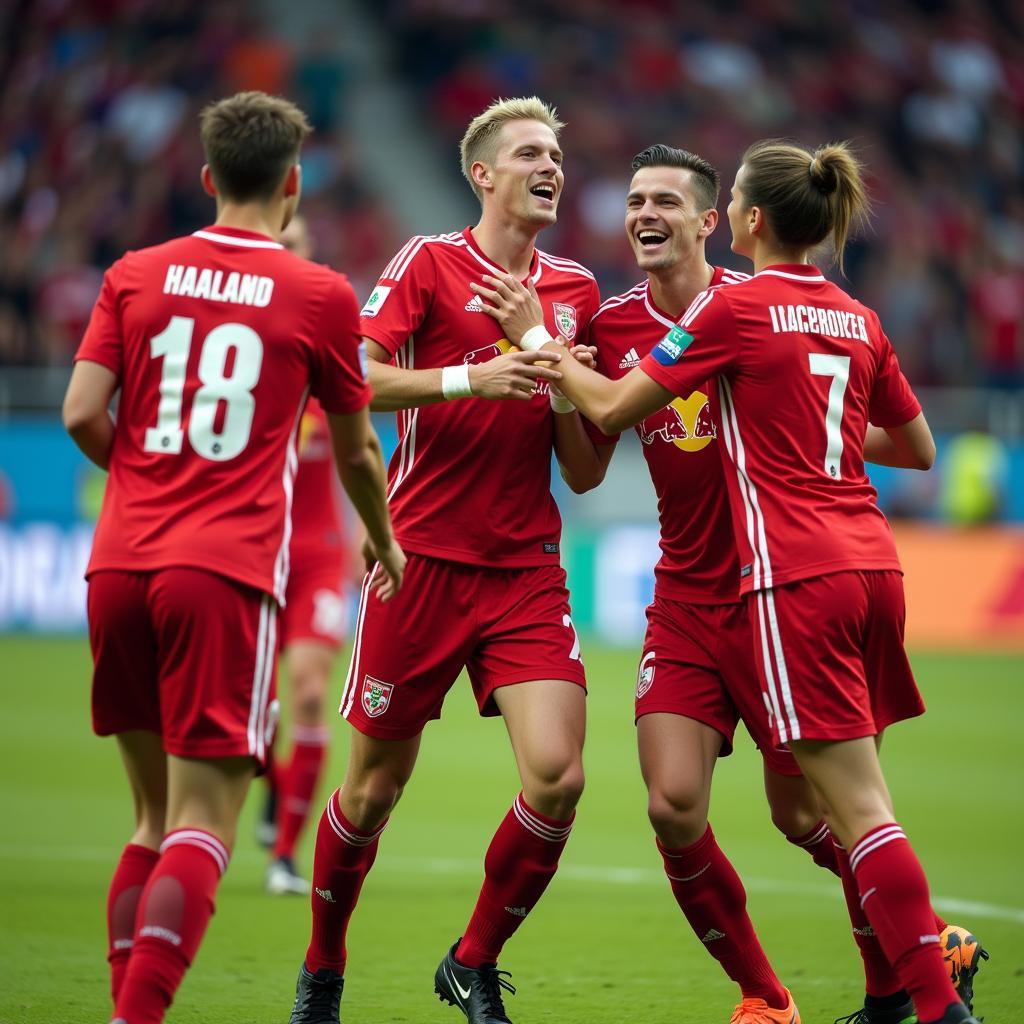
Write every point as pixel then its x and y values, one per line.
pixel 778 602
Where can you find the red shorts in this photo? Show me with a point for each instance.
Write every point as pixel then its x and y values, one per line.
pixel 187 654
pixel 697 662
pixel 315 599
pixel 830 656
pixel 504 625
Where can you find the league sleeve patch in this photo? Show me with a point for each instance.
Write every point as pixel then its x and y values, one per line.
pixel 376 300
pixel 670 349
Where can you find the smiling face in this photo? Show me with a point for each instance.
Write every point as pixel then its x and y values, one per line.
pixel 665 223
pixel 525 179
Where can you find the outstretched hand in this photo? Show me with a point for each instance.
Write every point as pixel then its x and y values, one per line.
pixel 514 305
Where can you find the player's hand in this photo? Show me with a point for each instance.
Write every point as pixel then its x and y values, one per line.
pixel 514 305
pixel 586 355
pixel 388 568
pixel 513 375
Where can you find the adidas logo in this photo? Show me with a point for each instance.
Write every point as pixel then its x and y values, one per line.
pixel 475 305
pixel 712 934
pixel 325 895
pixel 630 359
pixel 516 911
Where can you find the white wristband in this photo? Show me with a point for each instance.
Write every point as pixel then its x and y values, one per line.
pixel 559 402
pixel 535 338
pixel 455 382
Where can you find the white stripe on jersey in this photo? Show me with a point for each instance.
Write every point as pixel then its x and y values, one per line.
pixel 249 243
pixel 634 294
pixel 769 668
pixel 655 315
pixel 348 693
pixel 696 306
pixel 791 277
pixel 282 563
pixel 560 263
pixel 404 257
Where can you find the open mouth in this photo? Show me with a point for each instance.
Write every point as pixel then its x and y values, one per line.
pixel 544 190
pixel 649 238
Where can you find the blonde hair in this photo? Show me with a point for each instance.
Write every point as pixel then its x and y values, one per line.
pixel 806 195
pixel 481 139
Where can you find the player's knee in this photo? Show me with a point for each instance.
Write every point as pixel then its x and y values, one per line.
pixel 309 706
pixel 369 800
pixel 795 819
pixel 556 791
pixel 678 816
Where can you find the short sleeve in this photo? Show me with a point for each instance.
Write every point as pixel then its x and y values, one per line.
pixel 103 341
pixel 399 303
pixel 339 357
pixel 893 402
pixel 702 345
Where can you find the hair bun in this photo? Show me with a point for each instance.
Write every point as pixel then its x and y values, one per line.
pixel 823 175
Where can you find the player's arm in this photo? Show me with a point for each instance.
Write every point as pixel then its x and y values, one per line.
pixel 360 462
pixel 581 462
pixel 611 406
pixel 910 446
pixel 86 410
pixel 509 376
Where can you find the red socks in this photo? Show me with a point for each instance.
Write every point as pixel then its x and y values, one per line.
pixel 343 857
pixel 711 895
pixel 818 843
pixel 174 910
pixel 520 862
pixel 296 784
pixel 894 896
pixel 130 877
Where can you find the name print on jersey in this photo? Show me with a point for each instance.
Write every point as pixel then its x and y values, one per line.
pixel 836 323
pixel 244 289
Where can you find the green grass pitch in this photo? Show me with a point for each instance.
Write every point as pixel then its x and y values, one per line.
pixel 606 944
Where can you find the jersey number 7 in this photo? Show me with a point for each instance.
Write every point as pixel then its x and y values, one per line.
pixel 838 368
pixel 172 345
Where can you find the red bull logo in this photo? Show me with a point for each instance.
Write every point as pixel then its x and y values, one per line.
pixel 687 423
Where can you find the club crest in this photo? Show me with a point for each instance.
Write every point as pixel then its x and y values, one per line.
pixel 645 677
pixel 565 319
pixel 376 696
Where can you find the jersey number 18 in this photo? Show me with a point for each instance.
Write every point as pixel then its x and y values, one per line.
pixel 172 345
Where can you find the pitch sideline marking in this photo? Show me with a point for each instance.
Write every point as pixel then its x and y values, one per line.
pixel 573 872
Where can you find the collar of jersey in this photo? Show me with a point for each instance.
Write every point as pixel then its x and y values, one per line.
pixel 249 239
pixel 478 254
pixel 799 271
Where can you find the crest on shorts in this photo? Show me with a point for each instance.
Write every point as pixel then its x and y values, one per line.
pixel 645 677
pixel 565 319
pixel 376 696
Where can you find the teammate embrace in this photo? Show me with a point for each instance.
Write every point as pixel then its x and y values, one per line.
pixel 767 392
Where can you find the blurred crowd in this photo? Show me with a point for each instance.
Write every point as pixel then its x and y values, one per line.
pixel 931 92
pixel 99 149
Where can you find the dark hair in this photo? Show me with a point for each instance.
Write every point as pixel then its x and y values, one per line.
pixel 705 178
pixel 806 195
pixel 250 140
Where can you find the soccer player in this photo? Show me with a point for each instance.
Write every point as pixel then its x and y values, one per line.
pixel 483 589
pixel 695 678
pixel 214 341
pixel 810 389
pixel 312 627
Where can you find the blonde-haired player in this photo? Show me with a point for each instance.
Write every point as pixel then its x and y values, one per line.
pixel 484 588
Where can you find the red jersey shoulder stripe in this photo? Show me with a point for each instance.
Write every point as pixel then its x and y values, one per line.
pixel 248 243
pixel 635 294
pixel 559 263
pixel 400 263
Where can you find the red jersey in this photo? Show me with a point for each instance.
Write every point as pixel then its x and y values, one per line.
pixel 470 480
pixel 216 340
pixel 803 368
pixel 681 445
pixel 317 527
